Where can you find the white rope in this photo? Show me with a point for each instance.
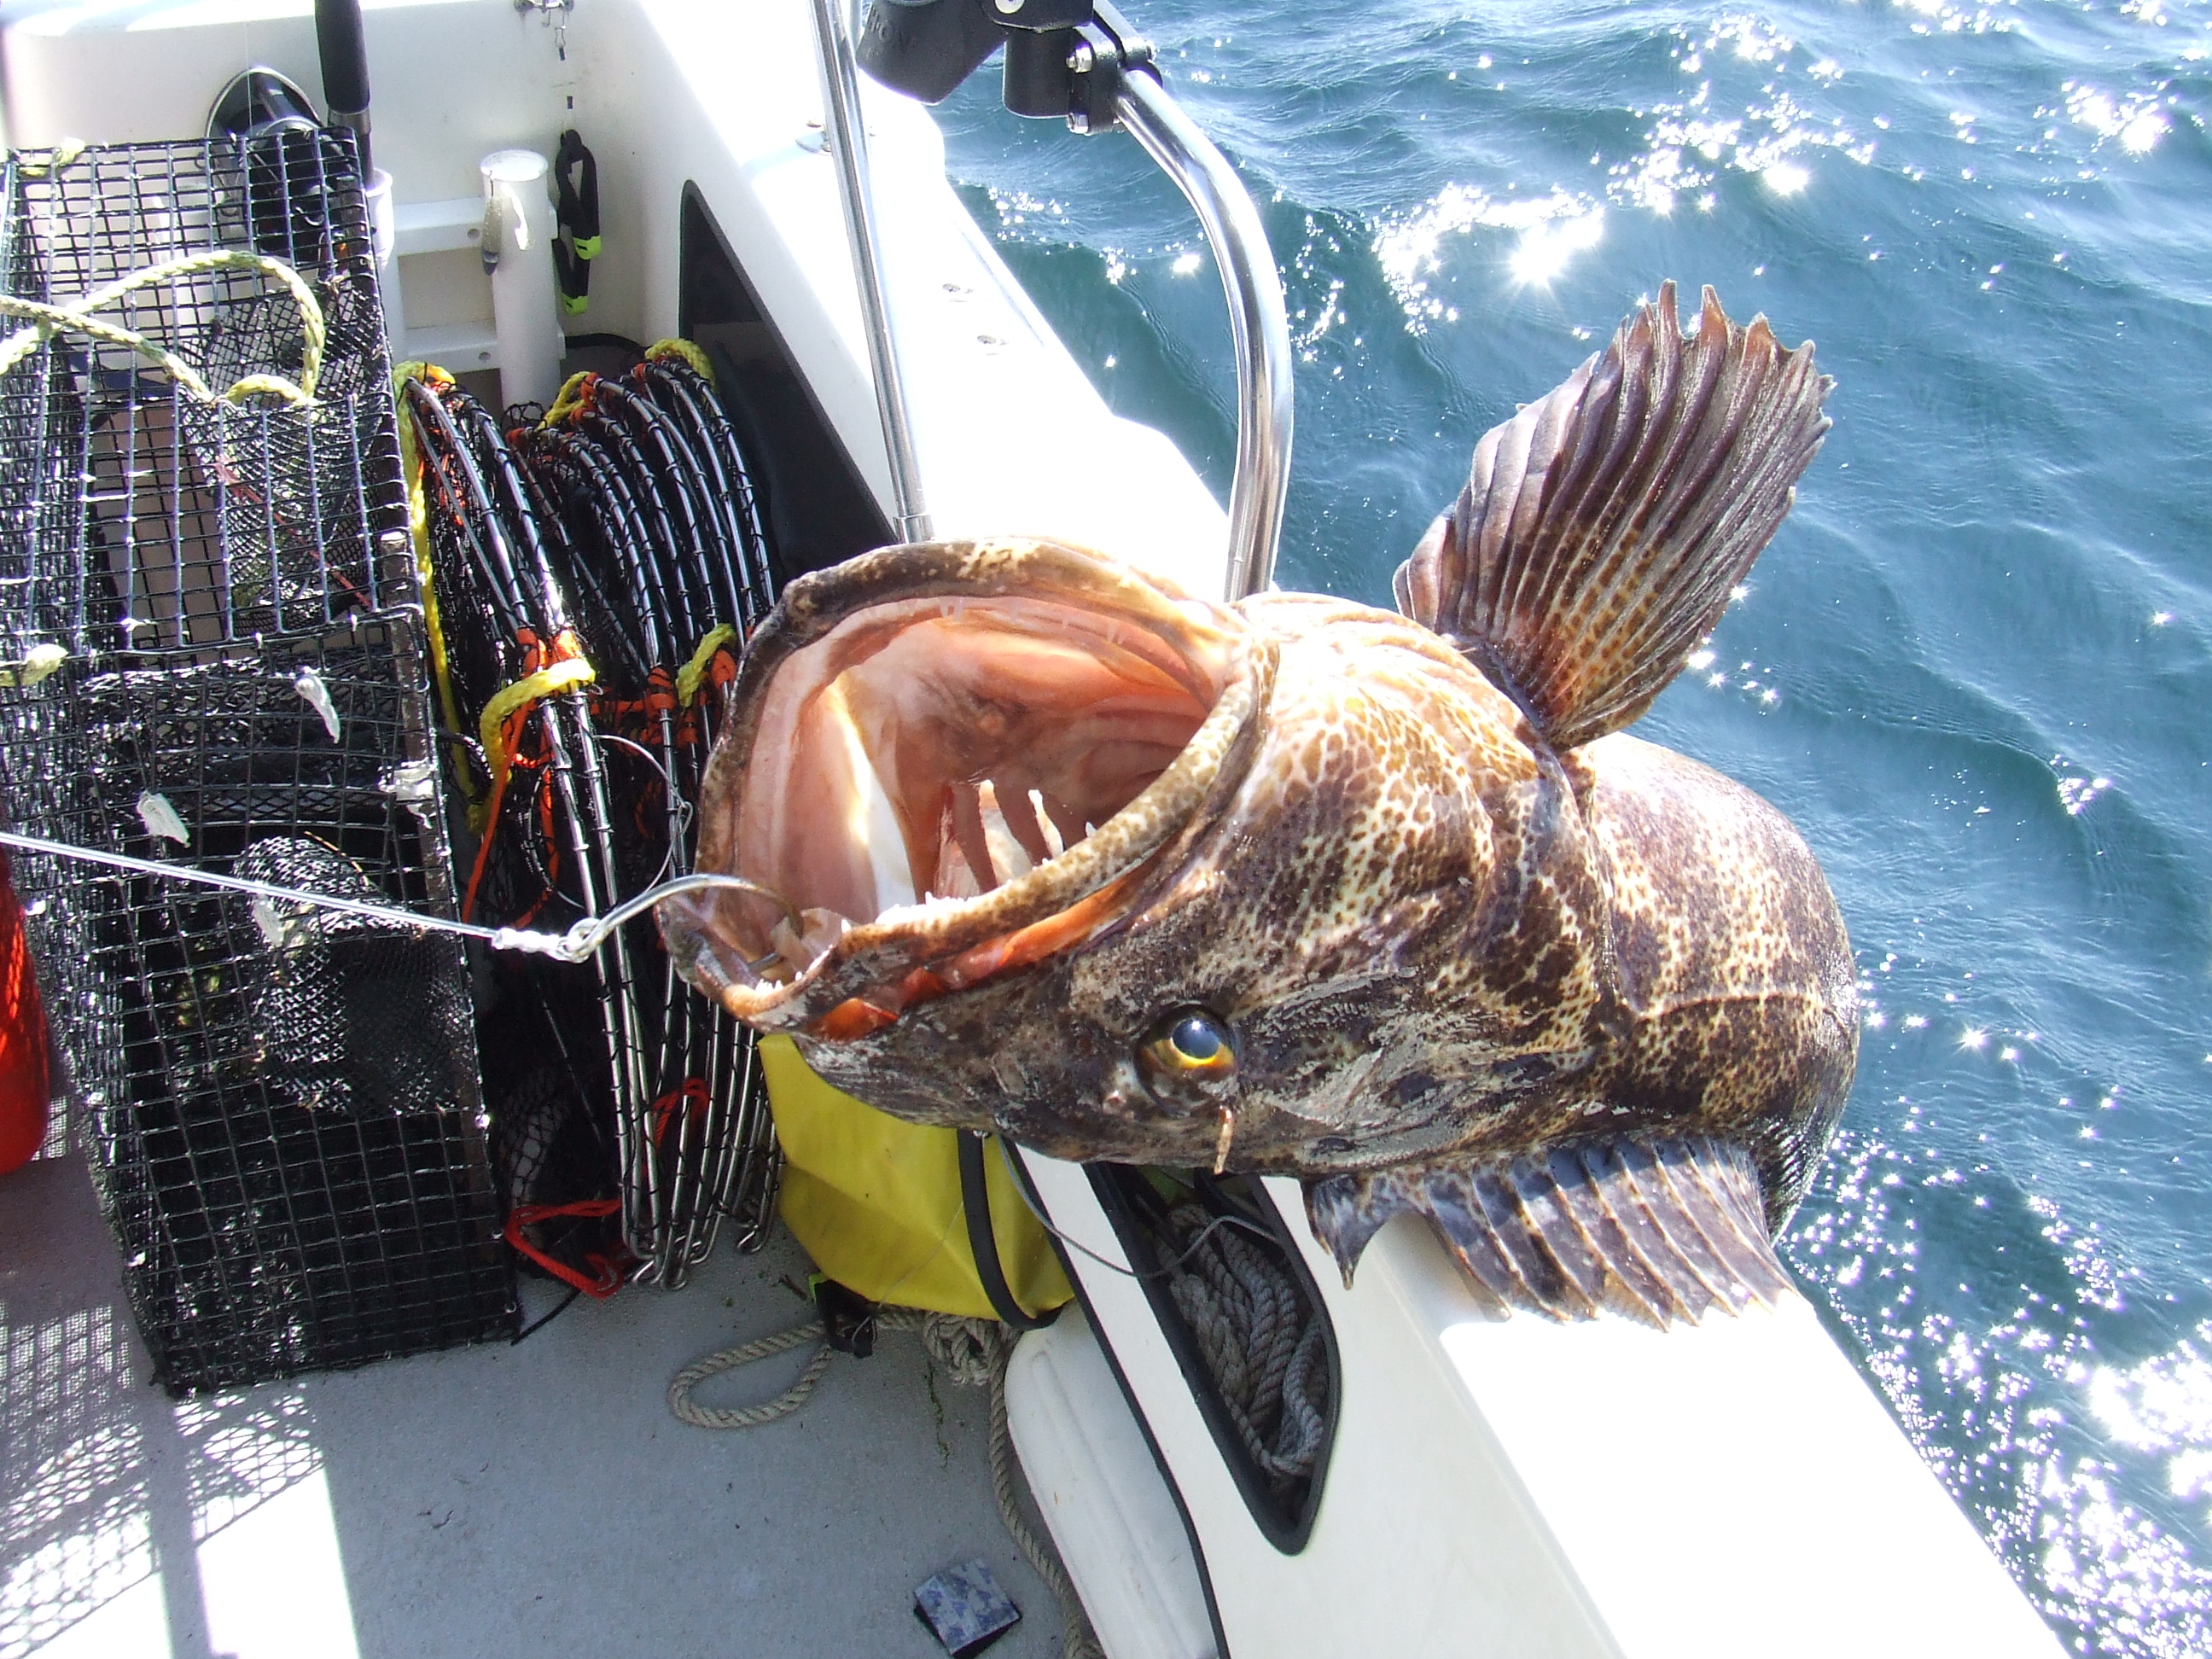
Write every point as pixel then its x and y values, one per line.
pixel 574 946
pixel 729 1359
pixel 973 1353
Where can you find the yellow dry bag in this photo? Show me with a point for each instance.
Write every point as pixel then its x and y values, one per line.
pixel 876 1202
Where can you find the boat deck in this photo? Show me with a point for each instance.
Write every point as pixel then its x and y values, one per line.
pixel 537 1497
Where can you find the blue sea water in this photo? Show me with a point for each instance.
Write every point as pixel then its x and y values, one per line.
pixel 1975 667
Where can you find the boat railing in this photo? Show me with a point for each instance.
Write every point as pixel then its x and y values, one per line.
pixel 1081 61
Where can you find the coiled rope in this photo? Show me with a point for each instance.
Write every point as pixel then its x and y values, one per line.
pixel 1264 1346
pixel 973 1353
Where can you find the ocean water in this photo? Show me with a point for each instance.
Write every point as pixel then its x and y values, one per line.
pixel 1975 667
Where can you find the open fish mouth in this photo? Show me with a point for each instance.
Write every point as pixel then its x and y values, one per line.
pixel 948 761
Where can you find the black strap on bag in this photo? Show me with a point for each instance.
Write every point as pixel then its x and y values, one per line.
pixel 983 1243
pixel 576 206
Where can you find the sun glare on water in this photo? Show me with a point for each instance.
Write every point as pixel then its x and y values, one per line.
pixel 1546 249
pixel 1786 178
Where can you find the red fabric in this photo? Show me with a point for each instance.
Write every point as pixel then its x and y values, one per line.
pixel 23 1076
pixel 664 1109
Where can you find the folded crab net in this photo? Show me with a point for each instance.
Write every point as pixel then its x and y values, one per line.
pixel 595 567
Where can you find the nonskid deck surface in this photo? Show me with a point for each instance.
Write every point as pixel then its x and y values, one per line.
pixel 535 1498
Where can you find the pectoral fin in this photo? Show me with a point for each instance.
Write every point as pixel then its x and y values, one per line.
pixel 1659 1231
pixel 1603 528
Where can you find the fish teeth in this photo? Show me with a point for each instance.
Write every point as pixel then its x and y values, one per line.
pixel 991 832
pixel 1008 857
pixel 1046 827
pixel 802 949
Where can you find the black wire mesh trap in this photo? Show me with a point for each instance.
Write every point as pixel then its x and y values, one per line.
pixel 143 516
pixel 607 560
pixel 293 1163
pixel 283 1102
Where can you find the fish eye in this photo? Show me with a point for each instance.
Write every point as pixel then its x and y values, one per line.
pixel 1190 1046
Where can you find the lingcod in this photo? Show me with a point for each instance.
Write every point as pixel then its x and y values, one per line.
pixel 1043 845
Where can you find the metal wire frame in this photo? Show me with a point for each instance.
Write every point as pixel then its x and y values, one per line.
pixel 687 397
pixel 630 521
pixel 659 522
pixel 202 523
pixel 498 611
pixel 283 1111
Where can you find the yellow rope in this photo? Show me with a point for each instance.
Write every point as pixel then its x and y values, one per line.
pixel 548 682
pixel 38 661
pixel 59 156
pixel 418 525
pixel 76 317
pixel 689 350
pixel 567 400
pixel 689 676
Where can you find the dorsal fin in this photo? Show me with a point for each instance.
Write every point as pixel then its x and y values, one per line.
pixel 1603 528
pixel 1659 1233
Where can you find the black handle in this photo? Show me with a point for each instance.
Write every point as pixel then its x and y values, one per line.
pixel 983 1242
pixel 345 58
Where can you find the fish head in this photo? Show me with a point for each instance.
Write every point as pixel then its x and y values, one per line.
pixel 1045 845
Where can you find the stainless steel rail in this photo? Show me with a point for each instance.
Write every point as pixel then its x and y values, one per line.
pixel 848 142
pixel 1259 330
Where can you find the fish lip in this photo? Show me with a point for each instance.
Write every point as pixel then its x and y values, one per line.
pixel 930 948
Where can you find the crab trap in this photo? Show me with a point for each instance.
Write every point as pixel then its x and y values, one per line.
pixel 212 646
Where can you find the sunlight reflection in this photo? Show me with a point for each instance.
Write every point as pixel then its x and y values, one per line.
pixel 1546 249
pixel 2163 1406
pixel 2135 120
pixel 1409 248
pixel 109 1490
pixel 1786 178
pixel 2022 1382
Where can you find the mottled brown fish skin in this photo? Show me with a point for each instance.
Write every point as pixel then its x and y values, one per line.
pixel 1477 954
pixel 1429 934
